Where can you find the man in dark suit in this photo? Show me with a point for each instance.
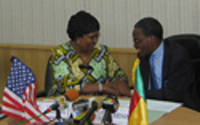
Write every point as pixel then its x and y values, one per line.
pixel 165 66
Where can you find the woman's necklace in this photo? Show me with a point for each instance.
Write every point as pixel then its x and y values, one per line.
pixel 84 58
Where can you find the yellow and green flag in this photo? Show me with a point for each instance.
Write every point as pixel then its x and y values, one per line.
pixel 138 107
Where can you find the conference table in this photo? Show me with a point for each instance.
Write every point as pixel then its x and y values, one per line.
pixel 179 116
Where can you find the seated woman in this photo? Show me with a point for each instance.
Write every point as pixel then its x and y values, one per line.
pixel 85 65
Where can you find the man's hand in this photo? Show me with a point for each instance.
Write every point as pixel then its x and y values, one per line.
pixel 109 89
pixel 120 87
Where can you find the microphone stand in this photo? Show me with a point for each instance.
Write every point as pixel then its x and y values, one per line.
pixel 58 116
pixel 107 119
pixel 86 122
pixel 62 121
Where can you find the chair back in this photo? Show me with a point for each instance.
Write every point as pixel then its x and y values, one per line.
pixel 192 43
pixel 48 77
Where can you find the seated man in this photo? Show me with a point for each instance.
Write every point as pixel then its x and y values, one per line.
pixel 165 66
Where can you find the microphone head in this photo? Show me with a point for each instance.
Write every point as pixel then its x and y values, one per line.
pixel 80 117
pixel 111 103
pixel 55 105
pixel 80 106
pixel 92 117
pixel 71 94
pixel 97 102
pixel 62 103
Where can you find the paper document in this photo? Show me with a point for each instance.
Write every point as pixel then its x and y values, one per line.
pixel 164 106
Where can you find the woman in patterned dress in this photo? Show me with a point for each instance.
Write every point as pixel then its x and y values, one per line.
pixel 85 65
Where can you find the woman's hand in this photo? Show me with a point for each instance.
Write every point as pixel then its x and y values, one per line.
pixel 117 88
pixel 94 88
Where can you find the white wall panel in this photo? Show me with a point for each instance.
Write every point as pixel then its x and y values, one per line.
pixel 198 17
pixel 36 21
pixel 44 22
pixel 6 25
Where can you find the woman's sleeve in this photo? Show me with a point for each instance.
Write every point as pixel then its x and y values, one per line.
pixel 60 72
pixel 114 71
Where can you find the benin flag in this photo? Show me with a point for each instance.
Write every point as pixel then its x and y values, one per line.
pixel 138 106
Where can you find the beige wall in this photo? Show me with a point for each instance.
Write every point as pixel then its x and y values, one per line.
pixel 43 22
pixel 36 58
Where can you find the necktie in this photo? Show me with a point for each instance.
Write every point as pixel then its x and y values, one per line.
pixel 152 75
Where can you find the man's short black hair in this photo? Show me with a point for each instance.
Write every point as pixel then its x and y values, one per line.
pixel 150 26
pixel 82 23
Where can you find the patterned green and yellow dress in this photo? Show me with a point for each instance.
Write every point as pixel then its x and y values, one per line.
pixel 69 72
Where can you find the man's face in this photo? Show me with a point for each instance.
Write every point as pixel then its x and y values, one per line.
pixel 141 42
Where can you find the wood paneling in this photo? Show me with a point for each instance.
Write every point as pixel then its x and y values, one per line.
pixel 36 58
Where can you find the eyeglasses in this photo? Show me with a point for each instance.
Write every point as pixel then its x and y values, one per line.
pixel 96 36
pixel 137 41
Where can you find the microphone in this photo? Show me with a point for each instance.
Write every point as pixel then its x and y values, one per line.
pixel 111 105
pixel 70 95
pixel 80 106
pixel 71 121
pixel 96 104
pixel 79 117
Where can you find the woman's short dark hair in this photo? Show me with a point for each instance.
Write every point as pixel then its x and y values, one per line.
pixel 150 26
pixel 80 24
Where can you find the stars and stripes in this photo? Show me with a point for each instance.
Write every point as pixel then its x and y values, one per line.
pixel 19 97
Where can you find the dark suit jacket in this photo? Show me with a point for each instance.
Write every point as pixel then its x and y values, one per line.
pixel 178 74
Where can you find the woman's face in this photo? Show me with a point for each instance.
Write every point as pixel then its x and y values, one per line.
pixel 88 41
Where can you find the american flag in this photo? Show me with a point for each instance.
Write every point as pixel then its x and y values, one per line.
pixel 19 97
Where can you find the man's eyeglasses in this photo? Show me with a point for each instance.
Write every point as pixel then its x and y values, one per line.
pixel 139 41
